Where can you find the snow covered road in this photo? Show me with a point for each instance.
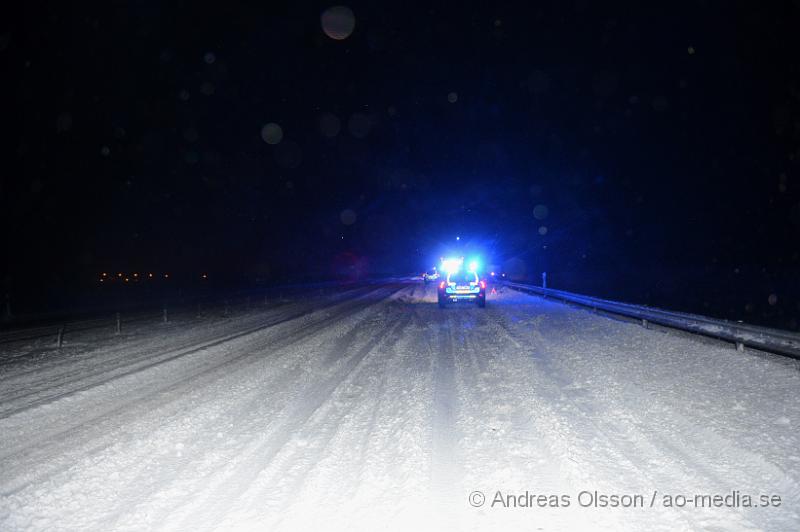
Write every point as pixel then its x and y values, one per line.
pixel 371 408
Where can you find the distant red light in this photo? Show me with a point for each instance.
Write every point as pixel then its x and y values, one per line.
pixel 441 285
pixel 483 284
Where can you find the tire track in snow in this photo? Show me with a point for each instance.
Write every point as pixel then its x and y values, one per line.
pixel 286 385
pixel 444 481
pixel 375 472
pixel 151 397
pixel 228 485
pixel 512 441
pixel 149 358
pixel 319 451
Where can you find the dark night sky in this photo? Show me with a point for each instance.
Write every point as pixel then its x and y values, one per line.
pixel 664 140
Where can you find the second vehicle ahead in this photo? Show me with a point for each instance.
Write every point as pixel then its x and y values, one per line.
pixel 430 275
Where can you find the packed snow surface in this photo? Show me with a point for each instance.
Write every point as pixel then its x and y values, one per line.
pixel 372 409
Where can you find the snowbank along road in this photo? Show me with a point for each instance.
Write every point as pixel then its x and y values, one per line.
pixel 371 408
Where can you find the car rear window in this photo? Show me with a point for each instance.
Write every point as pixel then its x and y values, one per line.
pixel 464 278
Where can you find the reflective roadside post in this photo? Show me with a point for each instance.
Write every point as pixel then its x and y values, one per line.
pixel 544 285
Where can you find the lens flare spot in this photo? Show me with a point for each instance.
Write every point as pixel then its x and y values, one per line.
pixel 272 133
pixel 348 216
pixel 338 22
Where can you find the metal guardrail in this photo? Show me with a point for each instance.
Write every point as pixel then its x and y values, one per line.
pixel 777 341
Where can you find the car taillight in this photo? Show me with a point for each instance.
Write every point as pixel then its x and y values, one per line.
pixel 441 285
pixel 483 284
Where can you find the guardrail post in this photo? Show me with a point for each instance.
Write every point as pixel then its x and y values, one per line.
pixel 60 337
pixel 645 323
pixel 119 323
pixel 544 280
pixel 227 308
pixel 739 346
pixel 165 319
